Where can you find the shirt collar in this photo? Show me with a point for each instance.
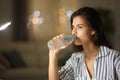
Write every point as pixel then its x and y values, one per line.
pixel 104 51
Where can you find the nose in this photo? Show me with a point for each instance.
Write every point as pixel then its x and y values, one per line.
pixel 74 31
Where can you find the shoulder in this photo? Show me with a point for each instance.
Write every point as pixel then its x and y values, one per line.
pixel 115 57
pixel 111 55
pixel 72 61
pixel 114 53
pixel 75 57
pixel 108 51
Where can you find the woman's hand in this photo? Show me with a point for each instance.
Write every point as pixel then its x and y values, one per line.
pixel 56 43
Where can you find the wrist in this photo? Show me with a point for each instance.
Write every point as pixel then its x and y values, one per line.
pixel 52 54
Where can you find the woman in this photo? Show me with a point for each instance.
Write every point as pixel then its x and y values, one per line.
pixel 94 59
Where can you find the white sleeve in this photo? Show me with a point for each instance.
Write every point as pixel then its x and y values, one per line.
pixel 67 71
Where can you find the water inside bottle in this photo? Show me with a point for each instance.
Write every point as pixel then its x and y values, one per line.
pixel 67 39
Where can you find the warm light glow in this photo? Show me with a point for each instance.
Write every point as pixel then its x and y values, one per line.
pixel 35 18
pixel 64 15
pixel 62 20
pixel 62 11
pixel 4 26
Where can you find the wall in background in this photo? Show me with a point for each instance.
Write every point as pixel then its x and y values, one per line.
pixel 46 19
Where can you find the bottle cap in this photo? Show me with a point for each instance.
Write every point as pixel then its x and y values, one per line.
pixel 73 36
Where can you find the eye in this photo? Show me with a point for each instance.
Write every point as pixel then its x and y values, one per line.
pixel 80 26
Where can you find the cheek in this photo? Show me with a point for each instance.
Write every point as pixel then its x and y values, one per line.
pixel 84 36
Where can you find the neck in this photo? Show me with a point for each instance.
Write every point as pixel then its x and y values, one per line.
pixel 90 50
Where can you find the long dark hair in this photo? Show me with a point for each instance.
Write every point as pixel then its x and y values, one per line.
pixel 93 21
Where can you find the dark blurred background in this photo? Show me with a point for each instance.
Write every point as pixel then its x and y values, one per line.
pixel 23 44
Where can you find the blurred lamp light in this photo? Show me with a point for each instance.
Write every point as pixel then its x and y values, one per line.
pixel 40 20
pixel 4 26
pixel 69 13
pixel 36 13
pixel 37 20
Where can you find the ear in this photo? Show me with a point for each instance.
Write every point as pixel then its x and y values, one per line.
pixel 93 32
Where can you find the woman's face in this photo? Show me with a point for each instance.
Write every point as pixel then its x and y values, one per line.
pixel 82 31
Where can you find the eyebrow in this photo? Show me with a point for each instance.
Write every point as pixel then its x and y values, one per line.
pixel 79 25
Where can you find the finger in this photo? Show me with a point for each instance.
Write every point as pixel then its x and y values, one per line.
pixel 63 47
pixel 62 34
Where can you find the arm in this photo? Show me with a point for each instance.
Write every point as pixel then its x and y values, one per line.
pixel 53 66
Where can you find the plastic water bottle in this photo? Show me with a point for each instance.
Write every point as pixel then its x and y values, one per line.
pixel 58 44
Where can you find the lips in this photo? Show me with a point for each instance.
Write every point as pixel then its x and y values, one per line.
pixel 76 37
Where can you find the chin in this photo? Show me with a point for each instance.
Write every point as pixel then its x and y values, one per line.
pixel 77 43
